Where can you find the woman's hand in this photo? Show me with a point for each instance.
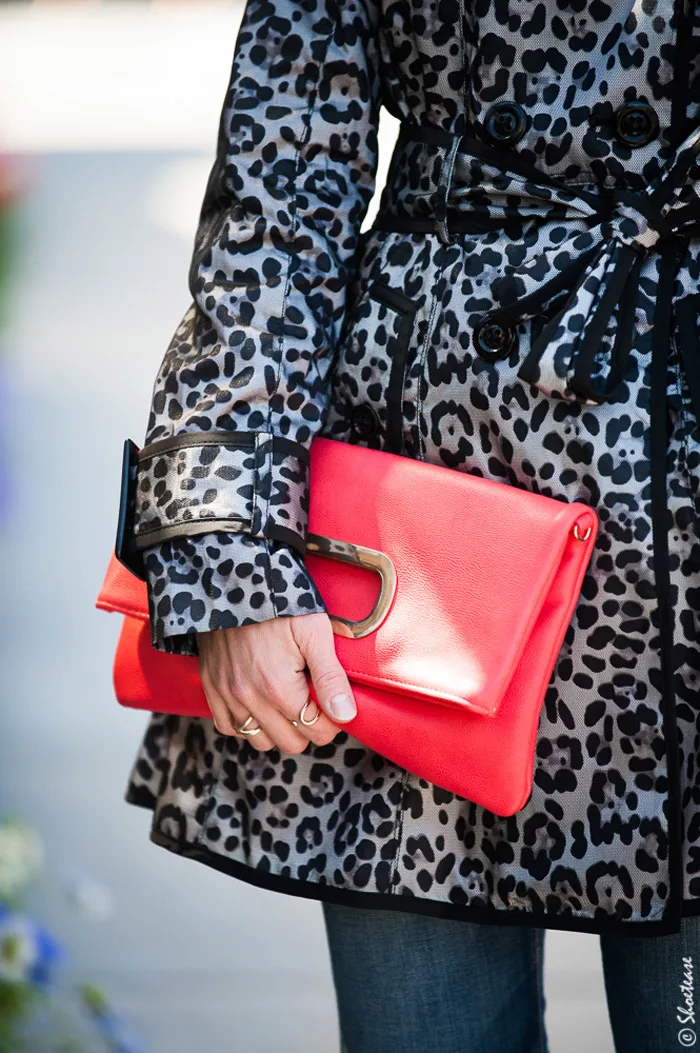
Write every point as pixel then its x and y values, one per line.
pixel 259 670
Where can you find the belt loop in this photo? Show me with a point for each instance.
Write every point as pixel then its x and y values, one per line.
pixel 443 191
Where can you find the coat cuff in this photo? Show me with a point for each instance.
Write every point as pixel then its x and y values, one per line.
pixel 222 580
pixel 198 483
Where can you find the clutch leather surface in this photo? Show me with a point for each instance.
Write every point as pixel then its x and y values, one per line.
pixel 450 596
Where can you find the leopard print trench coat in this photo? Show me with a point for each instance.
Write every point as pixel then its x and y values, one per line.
pixel 524 307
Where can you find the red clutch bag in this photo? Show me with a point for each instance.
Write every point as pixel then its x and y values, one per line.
pixel 450 596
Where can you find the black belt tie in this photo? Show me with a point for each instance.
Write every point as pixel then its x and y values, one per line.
pixel 587 309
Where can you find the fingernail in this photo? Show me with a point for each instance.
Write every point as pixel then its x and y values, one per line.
pixel 342 707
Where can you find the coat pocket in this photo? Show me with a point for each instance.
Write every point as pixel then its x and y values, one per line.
pixel 369 375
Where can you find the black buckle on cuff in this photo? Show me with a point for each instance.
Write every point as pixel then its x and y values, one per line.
pixel 125 546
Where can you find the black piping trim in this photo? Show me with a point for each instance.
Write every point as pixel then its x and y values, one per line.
pixel 393 298
pixel 406 308
pixel 646 206
pixel 563 281
pixel 414 904
pixel 192 528
pixel 404 224
pixel 240 440
pixel 622 287
pixel 687 313
pixel 682 57
pixel 281 444
pixel 286 536
pixel 237 525
pixel 671 255
pixel 425 134
pixel 458 222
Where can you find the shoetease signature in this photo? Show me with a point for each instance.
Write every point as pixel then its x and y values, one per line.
pixel 687 1036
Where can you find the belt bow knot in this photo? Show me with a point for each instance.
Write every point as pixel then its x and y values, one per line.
pixel 589 306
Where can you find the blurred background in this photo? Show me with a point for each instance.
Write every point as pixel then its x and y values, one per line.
pixel 108 121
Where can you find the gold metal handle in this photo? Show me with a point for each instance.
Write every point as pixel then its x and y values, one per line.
pixel 370 559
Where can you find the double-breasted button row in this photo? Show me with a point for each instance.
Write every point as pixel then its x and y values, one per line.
pixel 635 123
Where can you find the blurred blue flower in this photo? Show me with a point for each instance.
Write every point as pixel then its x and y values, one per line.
pixel 27 951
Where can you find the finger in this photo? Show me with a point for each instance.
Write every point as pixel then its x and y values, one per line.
pixel 285 689
pixel 276 730
pixel 329 679
pixel 315 725
pixel 276 686
pixel 229 715
pixel 265 688
pixel 277 725
pixel 224 721
pixel 231 711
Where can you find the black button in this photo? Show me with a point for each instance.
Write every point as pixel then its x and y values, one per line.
pixel 636 123
pixel 364 421
pixel 505 123
pixel 492 340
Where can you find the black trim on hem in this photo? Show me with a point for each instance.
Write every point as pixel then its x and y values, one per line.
pixel 671 256
pixel 690 908
pixel 413 904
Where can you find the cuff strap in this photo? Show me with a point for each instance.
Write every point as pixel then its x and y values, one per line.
pixel 194 483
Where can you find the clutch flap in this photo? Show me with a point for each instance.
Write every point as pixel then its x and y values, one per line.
pixel 474 563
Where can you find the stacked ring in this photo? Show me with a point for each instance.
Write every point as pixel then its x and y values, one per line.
pixel 309 723
pixel 250 731
pixel 245 730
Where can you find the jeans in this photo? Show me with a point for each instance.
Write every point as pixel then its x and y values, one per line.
pixel 415 984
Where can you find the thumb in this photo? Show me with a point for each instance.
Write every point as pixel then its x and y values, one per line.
pixel 329 679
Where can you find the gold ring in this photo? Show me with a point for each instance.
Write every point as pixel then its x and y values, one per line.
pixel 309 723
pixel 250 731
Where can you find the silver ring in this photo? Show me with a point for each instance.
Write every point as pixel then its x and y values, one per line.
pixel 309 723
pixel 250 731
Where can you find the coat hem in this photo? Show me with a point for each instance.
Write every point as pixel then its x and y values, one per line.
pixel 387 901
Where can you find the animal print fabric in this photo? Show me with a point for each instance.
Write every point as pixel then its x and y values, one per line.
pixel 196 482
pixel 292 329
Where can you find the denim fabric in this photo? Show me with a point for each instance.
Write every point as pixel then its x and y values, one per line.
pixel 653 990
pixel 418 984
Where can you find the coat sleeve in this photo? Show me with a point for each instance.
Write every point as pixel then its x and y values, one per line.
pixel 221 504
